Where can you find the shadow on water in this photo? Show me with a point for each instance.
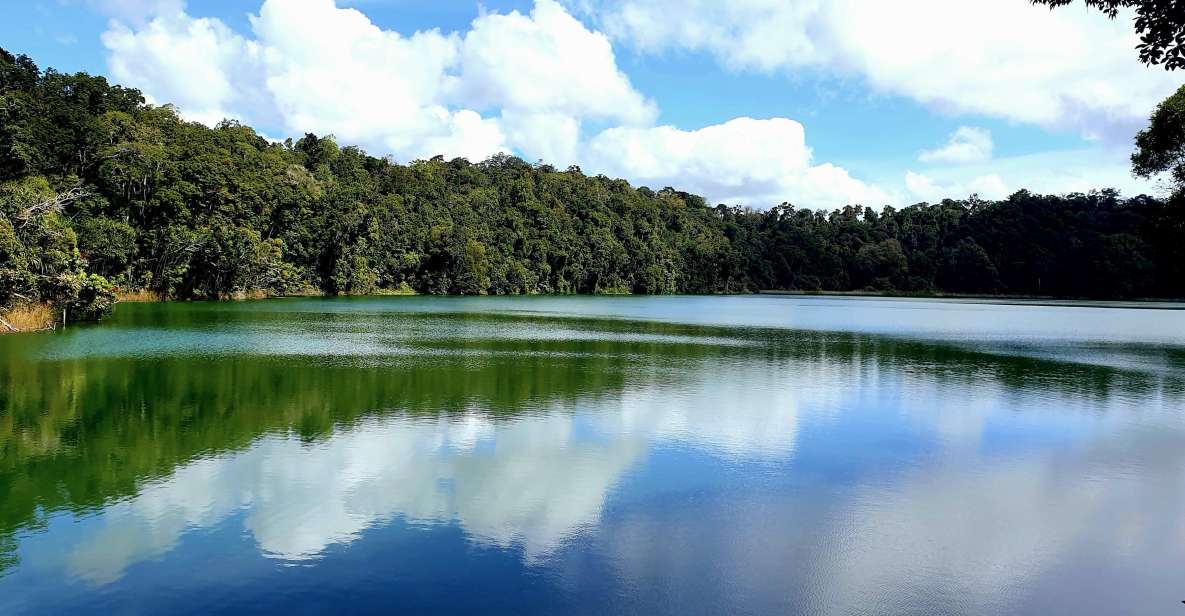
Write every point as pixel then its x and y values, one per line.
pixel 89 416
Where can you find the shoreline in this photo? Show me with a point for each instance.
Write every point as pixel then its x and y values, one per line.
pixel 40 321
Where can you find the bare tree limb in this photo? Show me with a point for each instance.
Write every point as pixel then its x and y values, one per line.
pixel 59 201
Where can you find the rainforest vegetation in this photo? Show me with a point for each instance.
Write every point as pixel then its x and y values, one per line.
pixel 101 192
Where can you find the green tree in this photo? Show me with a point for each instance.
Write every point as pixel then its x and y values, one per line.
pixel 969 269
pixel 881 265
pixel 108 245
pixel 471 269
pixel 39 252
pixel 1160 148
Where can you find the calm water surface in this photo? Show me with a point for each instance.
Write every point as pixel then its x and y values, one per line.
pixel 597 455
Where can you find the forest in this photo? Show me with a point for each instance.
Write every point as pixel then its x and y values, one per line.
pixel 102 194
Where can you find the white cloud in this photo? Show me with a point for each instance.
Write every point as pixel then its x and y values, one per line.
pixel 744 160
pixel 466 135
pixel 924 187
pixel 331 70
pixel 1009 59
pixel 1052 172
pixel 551 137
pixel 968 144
pixel 188 61
pixel 546 62
pixel 989 186
pixel 744 34
pixel 546 72
pixel 311 66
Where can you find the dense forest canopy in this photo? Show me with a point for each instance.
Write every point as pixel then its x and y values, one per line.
pixel 100 190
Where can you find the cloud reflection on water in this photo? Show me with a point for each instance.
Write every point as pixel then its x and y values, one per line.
pixel 528 482
pixel 827 473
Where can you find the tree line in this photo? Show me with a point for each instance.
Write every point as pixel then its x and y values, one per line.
pixel 100 191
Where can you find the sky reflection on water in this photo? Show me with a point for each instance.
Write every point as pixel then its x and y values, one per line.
pixel 511 456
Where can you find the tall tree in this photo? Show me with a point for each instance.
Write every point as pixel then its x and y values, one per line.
pixel 1160 148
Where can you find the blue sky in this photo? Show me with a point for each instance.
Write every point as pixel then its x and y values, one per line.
pixel 752 102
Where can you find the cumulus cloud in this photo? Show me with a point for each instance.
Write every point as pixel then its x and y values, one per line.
pixel 331 70
pixel 514 82
pixel 1067 69
pixel 744 160
pixel 744 34
pixel 313 66
pixel 546 62
pixel 1051 172
pixel 968 144
pixel 310 66
pixel 546 73
pixel 552 137
pixel 927 188
pixel 200 64
pixel 465 134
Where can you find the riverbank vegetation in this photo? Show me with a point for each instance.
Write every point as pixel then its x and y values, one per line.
pixel 27 317
pixel 101 193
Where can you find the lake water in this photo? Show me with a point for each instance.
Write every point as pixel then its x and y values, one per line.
pixel 597 455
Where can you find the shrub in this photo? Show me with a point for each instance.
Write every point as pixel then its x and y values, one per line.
pixel 90 297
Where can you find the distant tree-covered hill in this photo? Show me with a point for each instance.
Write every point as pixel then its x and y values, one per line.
pixel 99 189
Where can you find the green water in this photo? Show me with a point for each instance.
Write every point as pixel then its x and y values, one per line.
pixel 597 455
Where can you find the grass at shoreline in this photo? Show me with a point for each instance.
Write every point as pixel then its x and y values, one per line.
pixel 29 317
pixel 137 296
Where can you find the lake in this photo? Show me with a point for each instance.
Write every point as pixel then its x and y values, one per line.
pixel 757 454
